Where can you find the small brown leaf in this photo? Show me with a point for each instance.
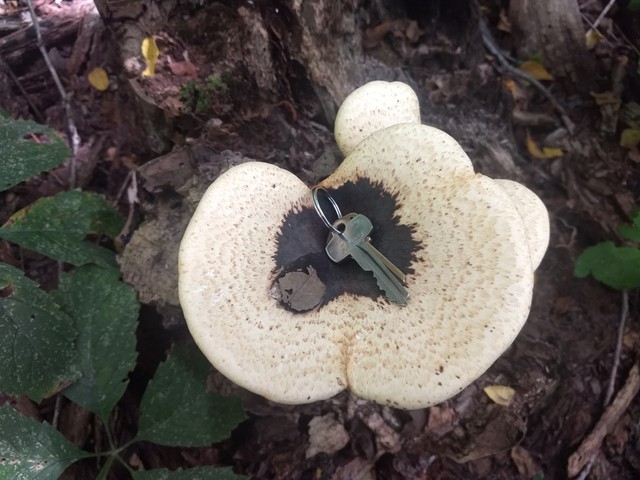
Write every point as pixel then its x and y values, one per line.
pixel 524 462
pixel 184 69
pixel 301 290
pixel 326 435
pixel 535 70
pixel 504 24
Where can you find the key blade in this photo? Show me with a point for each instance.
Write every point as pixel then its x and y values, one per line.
pixel 387 263
pixel 385 278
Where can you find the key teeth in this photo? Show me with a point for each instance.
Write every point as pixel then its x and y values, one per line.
pixel 400 299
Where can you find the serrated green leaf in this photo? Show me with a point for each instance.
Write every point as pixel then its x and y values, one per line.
pixel 23 157
pixel 176 409
pixel 30 450
pixel 105 311
pixel 196 473
pixel 57 227
pixel 632 232
pixel 617 267
pixel 37 350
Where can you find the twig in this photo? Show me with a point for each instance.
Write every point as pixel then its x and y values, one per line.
pixel 630 44
pixel 36 111
pixel 616 356
pixel 604 12
pixel 594 29
pixel 490 44
pixel 56 411
pixel 74 138
pixel 587 468
pixel 587 3
pixel 591 444
pixel 582 460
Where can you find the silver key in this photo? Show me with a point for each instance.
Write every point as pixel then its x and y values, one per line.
pixel 353 241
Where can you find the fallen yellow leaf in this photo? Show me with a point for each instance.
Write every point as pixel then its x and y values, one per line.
pixel 630 138
pixel 98 79
pixel 536 70
pixel 518 94
pixel 500 394
pixel 150 53
pixel 592 38
pixel 545 153
pixel 504 24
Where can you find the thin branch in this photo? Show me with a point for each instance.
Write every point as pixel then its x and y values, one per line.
pixel 56 411
pixel 36 111
pixel 604 12
pixel 616 356
pixel 587 3
pixel 74 138
pixel 490 44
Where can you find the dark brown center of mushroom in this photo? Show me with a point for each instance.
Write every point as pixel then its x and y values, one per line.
pixel 307 278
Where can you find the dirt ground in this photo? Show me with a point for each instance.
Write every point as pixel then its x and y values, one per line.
pixel 243 80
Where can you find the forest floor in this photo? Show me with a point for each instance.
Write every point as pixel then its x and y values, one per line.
pixel 561 362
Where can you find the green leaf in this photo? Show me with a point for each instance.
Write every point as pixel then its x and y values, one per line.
pixel 57 227
pixel 105 311
pixel 617 267
pixel 22 156
pixel 32 450
pixel 633 5
pixel 632 232
pixel 176 409
pixel 37 350
pixel 199 473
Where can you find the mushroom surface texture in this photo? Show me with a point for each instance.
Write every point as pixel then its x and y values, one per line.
pixel 275 315
pixel 372 107
pixel 534 214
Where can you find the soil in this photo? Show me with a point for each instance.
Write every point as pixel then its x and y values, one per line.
pixel 261 80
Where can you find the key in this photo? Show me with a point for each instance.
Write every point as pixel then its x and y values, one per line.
pixel 353 241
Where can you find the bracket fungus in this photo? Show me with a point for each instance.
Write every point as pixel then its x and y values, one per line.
pixel 275 315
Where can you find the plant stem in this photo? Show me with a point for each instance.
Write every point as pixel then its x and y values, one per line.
pixel 74 138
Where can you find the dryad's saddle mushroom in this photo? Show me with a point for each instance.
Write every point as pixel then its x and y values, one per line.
pixel 274 314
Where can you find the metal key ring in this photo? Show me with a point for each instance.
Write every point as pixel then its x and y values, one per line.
pixel 323 217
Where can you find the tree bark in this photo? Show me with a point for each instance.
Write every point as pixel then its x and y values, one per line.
pixel 554 29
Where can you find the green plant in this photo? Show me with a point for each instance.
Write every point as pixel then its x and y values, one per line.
pixel 215 83
pixel 79 339
pixel 615 266
pixel 199 97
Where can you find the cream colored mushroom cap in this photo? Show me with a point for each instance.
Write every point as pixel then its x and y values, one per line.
pixel 372 107
pixel 470 282
pixel 226 269
pixel 535 216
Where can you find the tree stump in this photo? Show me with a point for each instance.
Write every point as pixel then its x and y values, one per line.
pixel 554 29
